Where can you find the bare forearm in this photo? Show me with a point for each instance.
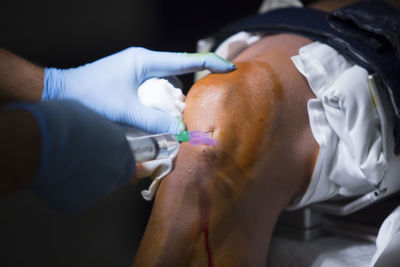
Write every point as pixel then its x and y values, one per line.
pixel 20 148
pixel 20 80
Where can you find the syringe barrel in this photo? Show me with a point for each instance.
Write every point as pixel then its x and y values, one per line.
pixel 152 147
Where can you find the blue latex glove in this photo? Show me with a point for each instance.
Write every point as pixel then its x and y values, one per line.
pixel 109 85
pixel 84 157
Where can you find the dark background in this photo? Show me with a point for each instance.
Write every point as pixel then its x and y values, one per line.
pixel 71 33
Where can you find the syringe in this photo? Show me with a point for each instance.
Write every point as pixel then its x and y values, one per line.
pixel 161 146
pixel 152 147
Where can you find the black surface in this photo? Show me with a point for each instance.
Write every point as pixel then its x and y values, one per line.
pixel 71 33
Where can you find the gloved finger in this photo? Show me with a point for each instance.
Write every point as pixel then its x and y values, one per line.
pixel 153 120
pixel 168 63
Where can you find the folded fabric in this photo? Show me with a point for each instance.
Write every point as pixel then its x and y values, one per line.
pixel 388 241
pixel 345 123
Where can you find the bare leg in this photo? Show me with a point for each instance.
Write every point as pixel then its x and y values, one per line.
pixel 220 204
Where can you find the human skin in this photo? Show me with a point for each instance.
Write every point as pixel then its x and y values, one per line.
pixel 20 80
pixel 220 204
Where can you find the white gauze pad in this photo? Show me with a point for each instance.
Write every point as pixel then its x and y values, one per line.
pixel 161 94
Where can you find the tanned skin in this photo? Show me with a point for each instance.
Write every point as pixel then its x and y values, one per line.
pixel 220 204
pixel 20 80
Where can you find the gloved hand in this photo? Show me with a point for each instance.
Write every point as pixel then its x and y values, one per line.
pixel 84 157
pixel 109 85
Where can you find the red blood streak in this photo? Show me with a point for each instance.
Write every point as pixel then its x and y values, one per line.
pixel 207 243
pixel 205 207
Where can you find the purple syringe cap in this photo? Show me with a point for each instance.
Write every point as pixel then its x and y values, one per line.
pixel 201 138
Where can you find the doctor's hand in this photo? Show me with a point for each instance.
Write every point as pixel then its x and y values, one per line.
pixel 83 156
pixel 109 85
